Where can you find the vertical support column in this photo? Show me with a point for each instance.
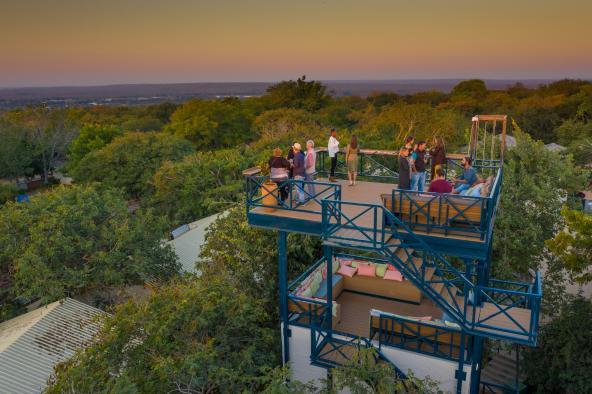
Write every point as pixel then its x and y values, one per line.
pixel 460 374
pixel 476 354
pixel 328 253
pixel 283 285
pixel 477 351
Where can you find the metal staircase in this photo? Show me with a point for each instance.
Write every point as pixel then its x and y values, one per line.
pixel 491 309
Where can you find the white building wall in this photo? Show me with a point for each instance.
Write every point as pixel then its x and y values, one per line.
pixel 442 371
pixel 300 367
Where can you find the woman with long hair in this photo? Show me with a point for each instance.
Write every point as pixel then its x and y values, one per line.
pixel 351 159
pixel 438 155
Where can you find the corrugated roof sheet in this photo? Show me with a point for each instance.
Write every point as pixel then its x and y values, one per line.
pixel 33 343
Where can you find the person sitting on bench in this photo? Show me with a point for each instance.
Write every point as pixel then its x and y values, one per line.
pixel 440 184
pixel 480 188
pixel 467 178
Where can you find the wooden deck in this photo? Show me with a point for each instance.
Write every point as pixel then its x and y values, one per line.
pixel 355 311
pixel 362 192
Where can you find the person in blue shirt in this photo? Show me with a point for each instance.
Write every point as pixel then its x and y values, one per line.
pixel 467 178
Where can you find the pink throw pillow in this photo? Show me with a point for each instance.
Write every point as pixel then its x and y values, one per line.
pixel 324 271
pixel 393 275
pixel 365 269
pixel 346 270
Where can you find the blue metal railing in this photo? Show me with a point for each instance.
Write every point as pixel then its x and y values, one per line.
pixel 256 185
pixel 341 228
pixel 421 337
pixel 443 213
pixel 328 347
pixel 369 166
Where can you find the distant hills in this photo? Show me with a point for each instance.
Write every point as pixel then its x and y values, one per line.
pixel 135 94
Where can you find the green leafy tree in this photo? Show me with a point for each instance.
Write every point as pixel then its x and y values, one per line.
pixel 212 123
pixel 193 336
pixel 48 132
pixel 130 161
pixel 473 88
pixel 364 374
pixel 8 192
pixel 281 128
pixel 199 185
pixel 91 137
pixel 299 94
pixel 535 183
pixel 16 151
pixel 574 244
pixel 248 257
pixel 562 360
pixel 73 240
pixel 388 129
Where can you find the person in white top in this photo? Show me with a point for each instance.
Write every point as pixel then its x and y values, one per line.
pixel 332 149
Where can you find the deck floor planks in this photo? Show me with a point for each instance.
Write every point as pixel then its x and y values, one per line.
pixel 362 192
pixel 355 311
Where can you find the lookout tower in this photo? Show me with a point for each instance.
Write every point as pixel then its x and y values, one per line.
pixel 404 272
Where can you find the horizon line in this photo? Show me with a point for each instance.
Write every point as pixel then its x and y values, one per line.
pixel 426 79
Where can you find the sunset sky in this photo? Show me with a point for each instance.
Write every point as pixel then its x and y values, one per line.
pixel 83 42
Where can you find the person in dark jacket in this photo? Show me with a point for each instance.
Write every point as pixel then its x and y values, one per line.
pixel 404 169
pixel 438 155
pixel 299 170
pixel 278 168
pixel 291 160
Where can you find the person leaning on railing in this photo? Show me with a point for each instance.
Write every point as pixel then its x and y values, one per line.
pixel 279 167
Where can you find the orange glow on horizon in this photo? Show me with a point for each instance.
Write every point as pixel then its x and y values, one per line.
pixel 68 42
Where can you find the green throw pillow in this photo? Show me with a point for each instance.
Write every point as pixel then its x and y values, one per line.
pixel 354 264
pixel 307 292
pixel 316 282
pixel 335 265
pixel 380 270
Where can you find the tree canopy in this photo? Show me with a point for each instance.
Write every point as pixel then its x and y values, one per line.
pixel 562 361
pixel 191 336
pixel 73 240
pixel 200 184
pixel 91 137
pixel 130 161
pixel 535 184
pixel 299 94
pixel 212 123
pixel 574 244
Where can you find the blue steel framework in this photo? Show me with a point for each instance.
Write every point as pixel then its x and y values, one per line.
pixel 464 291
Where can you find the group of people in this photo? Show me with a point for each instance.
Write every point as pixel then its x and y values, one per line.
pixel 301 166
pixel 413 159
